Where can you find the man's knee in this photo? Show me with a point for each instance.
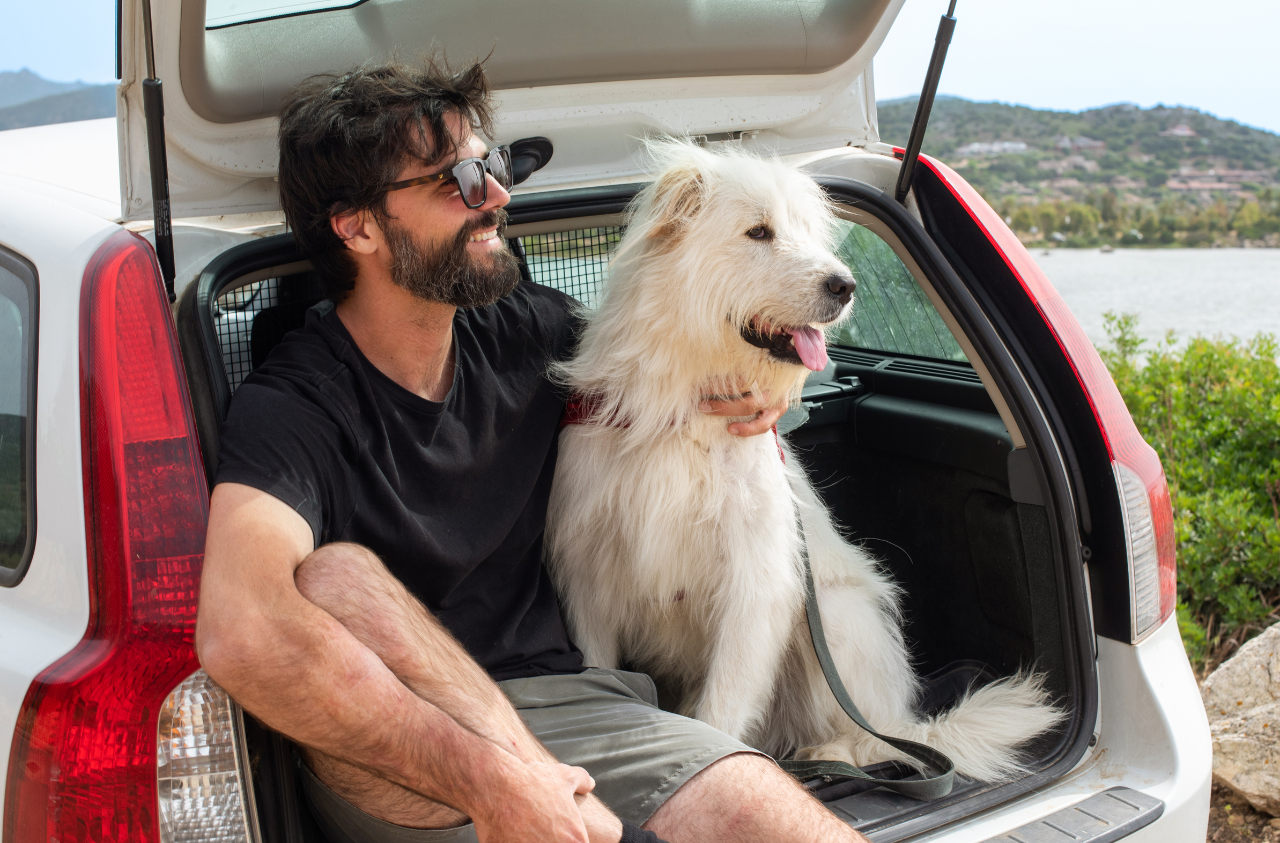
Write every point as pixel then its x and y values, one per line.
pixel 336 571
pixel 734 792
pixel 744 767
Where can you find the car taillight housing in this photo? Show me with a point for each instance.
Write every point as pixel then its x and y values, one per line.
pixel 203 797
pixel 83 768
pixel 1140 479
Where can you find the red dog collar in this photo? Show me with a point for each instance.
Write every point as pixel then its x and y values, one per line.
pixel 578 409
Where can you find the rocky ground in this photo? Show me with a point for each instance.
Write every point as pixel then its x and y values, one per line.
pixel 1232 820
pixel 1242 700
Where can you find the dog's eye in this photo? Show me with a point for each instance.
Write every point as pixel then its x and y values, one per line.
pixel 760 232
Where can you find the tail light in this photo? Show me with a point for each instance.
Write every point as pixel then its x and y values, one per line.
pixel 83 768
pixel 203 795
pixel 1140 479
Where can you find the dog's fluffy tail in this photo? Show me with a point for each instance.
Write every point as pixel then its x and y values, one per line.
pixel 984 730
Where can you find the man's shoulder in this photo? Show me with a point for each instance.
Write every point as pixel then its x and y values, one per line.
pixel 312 352
pixel 306 367
pixel 544 301
pixel 530 313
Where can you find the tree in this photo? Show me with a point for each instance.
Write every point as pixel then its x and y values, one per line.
pixel 1246 219
pixel 1047 219
pixel 1107 206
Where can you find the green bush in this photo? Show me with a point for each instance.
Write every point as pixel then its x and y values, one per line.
pixel 1211 410
pixel 1099 217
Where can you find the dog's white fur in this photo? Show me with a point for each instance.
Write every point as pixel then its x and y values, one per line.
pixel 674 543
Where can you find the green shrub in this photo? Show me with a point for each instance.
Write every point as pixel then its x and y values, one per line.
pixel 1211 410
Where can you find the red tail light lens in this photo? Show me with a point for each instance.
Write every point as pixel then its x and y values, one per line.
pixel 1125 444
pixel 83 765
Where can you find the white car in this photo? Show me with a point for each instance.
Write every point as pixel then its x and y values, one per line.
pixel 966 430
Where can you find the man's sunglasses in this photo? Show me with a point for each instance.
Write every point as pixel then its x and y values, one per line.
pixel 469 174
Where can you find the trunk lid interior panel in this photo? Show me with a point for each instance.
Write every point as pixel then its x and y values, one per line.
pixel 594 78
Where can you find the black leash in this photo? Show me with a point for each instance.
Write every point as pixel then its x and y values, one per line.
pixel 932 760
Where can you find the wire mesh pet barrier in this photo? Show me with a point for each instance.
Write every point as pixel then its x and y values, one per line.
pixel 574 262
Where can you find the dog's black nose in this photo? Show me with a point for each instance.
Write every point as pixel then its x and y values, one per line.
pixel 842 286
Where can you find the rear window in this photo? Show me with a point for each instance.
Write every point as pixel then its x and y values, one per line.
pixel 890 312
pixel 17 393
pixel 220 13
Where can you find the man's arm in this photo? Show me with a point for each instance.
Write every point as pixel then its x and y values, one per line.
pixel 301 672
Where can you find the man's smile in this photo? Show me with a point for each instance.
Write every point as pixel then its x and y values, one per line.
pixel 486 239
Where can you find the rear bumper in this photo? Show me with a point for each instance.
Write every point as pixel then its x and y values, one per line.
pixel 1153 736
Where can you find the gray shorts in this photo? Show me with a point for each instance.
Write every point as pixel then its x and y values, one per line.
pixel 606 721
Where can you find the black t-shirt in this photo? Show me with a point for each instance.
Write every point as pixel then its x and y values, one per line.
pixel 451 495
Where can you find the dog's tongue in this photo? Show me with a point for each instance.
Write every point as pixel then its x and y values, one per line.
pixel 811 345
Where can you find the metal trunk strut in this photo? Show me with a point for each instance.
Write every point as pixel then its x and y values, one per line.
pixel 925 105
pixel 153 109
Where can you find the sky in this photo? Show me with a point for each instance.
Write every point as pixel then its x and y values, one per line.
pixel 62 40
pixel 1220 58
pixel 1223 58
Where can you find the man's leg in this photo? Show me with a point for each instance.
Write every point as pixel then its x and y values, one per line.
pixel 351 584
pixel 744 798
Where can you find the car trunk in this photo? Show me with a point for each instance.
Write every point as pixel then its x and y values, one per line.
pixel 923 436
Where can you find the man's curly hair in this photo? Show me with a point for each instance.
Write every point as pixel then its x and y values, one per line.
pixel 343 139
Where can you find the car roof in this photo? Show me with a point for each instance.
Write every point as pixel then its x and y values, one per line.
pixel 75 163
pixel 595 77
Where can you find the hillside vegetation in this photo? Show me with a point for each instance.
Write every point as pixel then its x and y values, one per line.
pixel 1119 174
pixel 28 99
pixel 19 86
pixel 84 104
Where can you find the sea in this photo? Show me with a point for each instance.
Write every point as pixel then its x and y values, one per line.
pixel 1192 292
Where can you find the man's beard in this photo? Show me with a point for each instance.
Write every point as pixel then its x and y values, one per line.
pixel 448 273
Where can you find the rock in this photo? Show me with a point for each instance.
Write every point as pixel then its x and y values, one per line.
pixel 1242 699
pixel 1274 823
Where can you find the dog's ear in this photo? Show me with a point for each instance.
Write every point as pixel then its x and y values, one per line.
pixel 677 198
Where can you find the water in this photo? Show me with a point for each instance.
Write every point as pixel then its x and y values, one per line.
pixel 1207 292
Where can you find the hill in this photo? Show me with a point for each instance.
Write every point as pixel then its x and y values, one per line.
pixel 1189 171
pixel 86 103
pixel 19 86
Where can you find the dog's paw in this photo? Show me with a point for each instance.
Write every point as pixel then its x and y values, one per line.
pixel 832 751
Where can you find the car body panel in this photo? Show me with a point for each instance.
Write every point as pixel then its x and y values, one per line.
pixel 77 164
pixel 45 615
pixel 597 126
pixel 1153 736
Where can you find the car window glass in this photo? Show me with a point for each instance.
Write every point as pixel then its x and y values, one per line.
pixel 15 374
pixel 890 311
pixel 228 12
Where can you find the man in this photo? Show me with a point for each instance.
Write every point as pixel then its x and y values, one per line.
pixel 373 557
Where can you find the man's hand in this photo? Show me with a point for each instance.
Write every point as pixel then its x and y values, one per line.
pixel 538 801
pixel 747 404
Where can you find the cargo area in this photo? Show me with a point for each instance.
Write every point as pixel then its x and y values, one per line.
pixel 900 434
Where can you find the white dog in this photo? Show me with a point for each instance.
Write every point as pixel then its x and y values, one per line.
pixel 674 544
